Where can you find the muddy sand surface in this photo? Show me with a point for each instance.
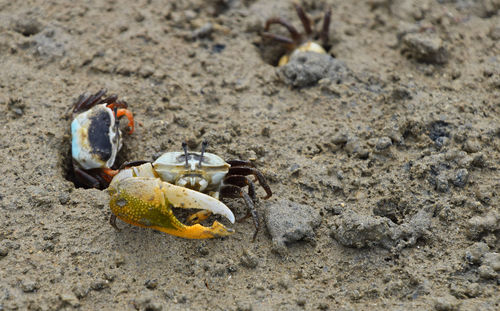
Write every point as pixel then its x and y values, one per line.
pixel 383 155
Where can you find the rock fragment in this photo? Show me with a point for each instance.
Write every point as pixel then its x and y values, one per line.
pixel 289 222
pixel 357 230
pixel 307 68
pixel 425 48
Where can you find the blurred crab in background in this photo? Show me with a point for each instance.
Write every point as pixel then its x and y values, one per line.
pixel 145 193
pixel 299 42
pixel 96 137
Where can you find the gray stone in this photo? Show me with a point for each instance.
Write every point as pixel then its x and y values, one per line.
pixel 383 143
pixel 472 146
pixel 481 224
pixel 425 48
pixel 69 298
pixel 288 222
pixel 442 183
pixel 475 252
pixel 307 68
pixel 492 260
pixel 446 303
pixel 356 230
pixel 461 177
pixel 487 272
pixel 248 259
pixel 29 286
pixel 27 25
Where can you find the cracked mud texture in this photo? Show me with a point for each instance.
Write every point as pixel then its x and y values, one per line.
pixel 411 140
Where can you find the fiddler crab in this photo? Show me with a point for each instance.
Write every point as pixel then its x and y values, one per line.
pixel 144 193
pixel 96 137
pixel 299 42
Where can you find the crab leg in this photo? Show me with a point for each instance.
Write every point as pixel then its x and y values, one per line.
pixel 86 179
pixel 304 19
pixel 111 102
pixel 148 202
pixel 108 174
pixel 241 181
pixel 278 38
pixel 243 170
pixel 278 20
pixel 326 25
pixel 240 163
pixel 86 101
pixel 130 117
pixel 232 191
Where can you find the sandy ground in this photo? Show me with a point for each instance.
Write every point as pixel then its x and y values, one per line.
pixel 384 161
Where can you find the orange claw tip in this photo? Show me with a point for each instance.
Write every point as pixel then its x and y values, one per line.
pixel 217 230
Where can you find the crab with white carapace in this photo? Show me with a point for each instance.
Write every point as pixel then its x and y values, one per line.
pixel 144 194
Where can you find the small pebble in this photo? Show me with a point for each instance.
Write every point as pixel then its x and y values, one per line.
pixel 27 26
pixel 340 139
pixel 446 303
pixel 151 284
pixel 249 260
pixel 441 183
pixel 425 48
pixel 486 223
pixel 243 306
pixel 202 249
pixel 301 301
pixel 64 198
pixel 119 259
pixel 4 250
pixel 146 301
pixel 285 281
pixel 442 141
pixel 29 286
pixel 492 260
pixel 478 160
pixel 70 298
pixel 472 146
pixel 80 290
pixel 203 32
pixel 475 252
pixel 383 143
pixel 98 284
pixel 461 177
pixel 487 272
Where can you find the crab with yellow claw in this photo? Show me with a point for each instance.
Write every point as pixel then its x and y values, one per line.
pixel 300 42
pixel 96 137
pixel 144 194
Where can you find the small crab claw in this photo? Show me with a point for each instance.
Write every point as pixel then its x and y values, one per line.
pixel 148 202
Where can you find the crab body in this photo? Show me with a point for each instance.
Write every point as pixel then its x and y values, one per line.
pixel 185 170
pixel 308 46
pixel 144 195
pixel 96 137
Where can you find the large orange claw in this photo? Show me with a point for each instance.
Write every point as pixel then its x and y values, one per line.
pixel 148 202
